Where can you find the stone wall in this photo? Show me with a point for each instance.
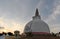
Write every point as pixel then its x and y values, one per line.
pixel 9 37
pixel 34 37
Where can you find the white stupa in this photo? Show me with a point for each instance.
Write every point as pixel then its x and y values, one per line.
pixel 37 26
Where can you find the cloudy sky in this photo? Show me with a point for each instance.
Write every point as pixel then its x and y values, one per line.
pixel 14 14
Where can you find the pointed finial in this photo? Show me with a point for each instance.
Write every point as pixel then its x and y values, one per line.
pixel 37 16
pixel 36 13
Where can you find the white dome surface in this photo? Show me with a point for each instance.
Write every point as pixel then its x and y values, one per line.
pixel 36 25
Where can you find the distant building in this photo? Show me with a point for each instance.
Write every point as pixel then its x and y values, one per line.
pixel 2 37
pixel 37 26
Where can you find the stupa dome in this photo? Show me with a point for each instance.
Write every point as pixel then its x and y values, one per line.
pixel 37 25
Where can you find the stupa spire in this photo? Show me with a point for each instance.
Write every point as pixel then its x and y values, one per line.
pixel 37 16
pixel 36 13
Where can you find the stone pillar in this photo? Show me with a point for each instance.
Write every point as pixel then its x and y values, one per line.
pixel 17 34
